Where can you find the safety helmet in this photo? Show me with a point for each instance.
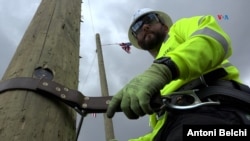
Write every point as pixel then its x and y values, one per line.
pixel 141 12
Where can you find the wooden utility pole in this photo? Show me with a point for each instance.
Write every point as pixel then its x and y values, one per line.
pixel 50 49
pixel 109 131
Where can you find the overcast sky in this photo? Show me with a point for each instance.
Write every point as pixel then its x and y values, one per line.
pixel 111 20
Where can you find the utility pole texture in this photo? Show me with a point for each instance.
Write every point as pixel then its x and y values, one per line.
pixel 49 49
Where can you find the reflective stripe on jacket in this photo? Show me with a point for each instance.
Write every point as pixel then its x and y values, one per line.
pixel 197 45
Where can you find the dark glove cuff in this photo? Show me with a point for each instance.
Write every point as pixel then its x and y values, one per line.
pixel 170 64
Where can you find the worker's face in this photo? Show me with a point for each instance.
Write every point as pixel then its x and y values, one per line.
pixel 149 32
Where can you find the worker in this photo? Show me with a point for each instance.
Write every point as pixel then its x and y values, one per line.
pixel 190 54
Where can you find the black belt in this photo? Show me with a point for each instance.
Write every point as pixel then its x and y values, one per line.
pixel 210 87
pixel 227 92
pixel 205 79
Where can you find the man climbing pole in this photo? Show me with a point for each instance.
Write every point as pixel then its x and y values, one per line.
pixel 191 59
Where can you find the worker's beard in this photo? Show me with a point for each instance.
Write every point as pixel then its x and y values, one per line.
pixel 152 40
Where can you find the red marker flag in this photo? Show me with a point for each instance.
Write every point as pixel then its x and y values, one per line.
pixel 126 46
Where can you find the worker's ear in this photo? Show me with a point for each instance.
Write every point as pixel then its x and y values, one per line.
pixel 165 27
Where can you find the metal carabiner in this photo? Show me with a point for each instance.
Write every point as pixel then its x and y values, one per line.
pixel 190 95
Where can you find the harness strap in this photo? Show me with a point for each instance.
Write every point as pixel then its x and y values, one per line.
pixel 73 98
pixel 210 85
pixel 210 88
pixel 205 79
pixel 51 89
pixel 226 95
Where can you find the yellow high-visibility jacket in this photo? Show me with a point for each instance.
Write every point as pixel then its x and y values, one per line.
pixel 197 45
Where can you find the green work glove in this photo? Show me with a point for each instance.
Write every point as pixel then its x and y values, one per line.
pixel 134 98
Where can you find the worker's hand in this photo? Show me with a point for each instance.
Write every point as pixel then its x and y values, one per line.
pixel 134 98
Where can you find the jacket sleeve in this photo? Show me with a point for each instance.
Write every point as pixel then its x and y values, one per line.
pixel 197 45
